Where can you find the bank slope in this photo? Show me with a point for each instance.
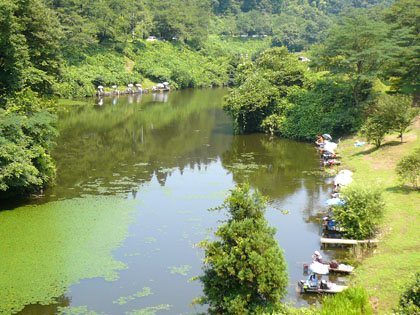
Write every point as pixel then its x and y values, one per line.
pixel 397 257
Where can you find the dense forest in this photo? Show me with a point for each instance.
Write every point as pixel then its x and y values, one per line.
pixel 66 48
pixel 296 68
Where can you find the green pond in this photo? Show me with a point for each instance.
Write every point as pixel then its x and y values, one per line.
pixel 135 177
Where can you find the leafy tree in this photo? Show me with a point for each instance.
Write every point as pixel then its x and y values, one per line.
pixel 397 111
pixel 253 22
pixel 245 272
pixel 404 18
pixel 77 22
pixel 185 20
pixel 374 130
pixel 409 168
pixel 356 49
pixel 26 137
pixel 251 103
pixel 29 46
pixel 362 212
pixel 328 107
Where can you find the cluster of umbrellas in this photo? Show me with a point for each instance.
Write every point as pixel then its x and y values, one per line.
pixel 343 178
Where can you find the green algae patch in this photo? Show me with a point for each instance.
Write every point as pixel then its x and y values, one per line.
pixel 151 310
pixel 80 310
pixel 125 299
pixel 47 248
pixel 182 270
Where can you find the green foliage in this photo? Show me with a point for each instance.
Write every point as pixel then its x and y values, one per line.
pixel 374 130
pixel 409 303
pixel 397 112
pixel 356 49
pixel 404 17
pixel 180 66
pixel 85 69
pixel 245 272
pixel 275 74
pixel 352 301
pixel 409 168
pixel 277 95
pixel 251 103
pixel 362 212
pixel 26 138
pixel 29 50
pixel 326 108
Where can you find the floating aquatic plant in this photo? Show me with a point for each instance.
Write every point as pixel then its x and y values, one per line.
pixel 151 310
pixel 47 248
pixel 80 310
pixel 182 270
pixel 146 291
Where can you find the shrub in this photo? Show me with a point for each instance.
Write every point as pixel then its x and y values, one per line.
pixel 352 301
pixel 409 168
pixel 362 212
pixel 409 303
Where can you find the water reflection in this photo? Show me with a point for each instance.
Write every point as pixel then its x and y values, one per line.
pixel 51 309
pixel 160 97
pixel 176 153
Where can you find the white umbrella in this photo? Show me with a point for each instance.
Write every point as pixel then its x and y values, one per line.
pixel 345 173
pixel 342 180
pixel 160 85
pixel 330 146
pixel 130 85
pixel 165 83
pixel 138 84
pixel 114 86
pixel 100 87
pixel 318 268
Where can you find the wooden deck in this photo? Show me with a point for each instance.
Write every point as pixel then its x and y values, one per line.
pixel 339 241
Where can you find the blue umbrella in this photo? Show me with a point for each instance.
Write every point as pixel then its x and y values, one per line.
pixel 335 202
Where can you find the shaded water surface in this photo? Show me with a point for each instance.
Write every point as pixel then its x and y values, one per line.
pixel 136 176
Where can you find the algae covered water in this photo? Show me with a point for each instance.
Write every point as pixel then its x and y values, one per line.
pixel 135 177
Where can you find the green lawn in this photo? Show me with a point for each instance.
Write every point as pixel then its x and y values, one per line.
pixel 397 257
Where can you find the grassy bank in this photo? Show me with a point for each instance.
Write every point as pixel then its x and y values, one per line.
pixel 214 64
pixel 397 257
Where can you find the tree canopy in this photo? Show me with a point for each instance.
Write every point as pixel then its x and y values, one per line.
pixel 244 271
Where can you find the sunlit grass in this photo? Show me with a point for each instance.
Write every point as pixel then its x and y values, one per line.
pixel 397 256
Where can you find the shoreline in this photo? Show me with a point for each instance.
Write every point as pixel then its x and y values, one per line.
pixel 396 258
